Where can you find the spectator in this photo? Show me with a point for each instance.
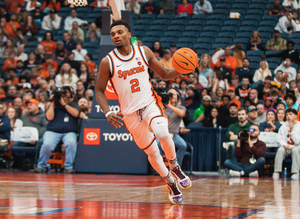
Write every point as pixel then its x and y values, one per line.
pixel 276 99
pixel 20 68
pixel 217 82
pixel 205 70
pixel 62 125
pixel 166 60
pixel 290 3
pixel 44 73
pixel 213 120
pixel 261 115
pixel 286 24
pixel 88 62
pixel 252 115
pixel 183 87
pixel 43 100
pixel 253 96
pixel 166 7
pixel 3 38
pixel 157 49
pixel 232 117
pixel 14 5
pixel 38 15
pixel 205 106
pixel 83 74
pixel 192 101
pixel 12 76
pixel 31 62
pixel 291 102
pixel 149 7
pixel 4 127
pixel 133 6
pixel 277 79
pixel 245 71
pixel 80 89
pixel 202 7
pixel 271 124
pixel 29 29
pixel 21 55
pixel 264 88
pixel 277 43
pixel 226 72
pixel 225 100
pixel 11 27
pixel 65 77
pixel 185 8
pixel 69 44
pixel 32 4
pixel 261 73
pixel 236 128
pixel 234 82
pixel 14 121
pixel 49 5
pixel 79 52
pixel 60 53
pixel 255 42
pixel 49 62
pixel 223 110
pixel 4 13
pixel 70 60
pixel 89 93
pixel 71 19
pixel 280 116
pixel 283 87
pixel 239 54
pixel 40 53
pixel 19 39
pixel 93 34
pixel 275 9
pixel 100 4
pixel 289 72
pixel 244 151
pixel 11 93
pixel 22 14
pixel 83 106
pixel 288 139
pixel 268 104
pixel 11 62
pixel 42 87
pixel 51 21
pixel 231 94
pixel 230 61
pixel 76 33
pixel 33 77
pixel 243 90
pixel 48 43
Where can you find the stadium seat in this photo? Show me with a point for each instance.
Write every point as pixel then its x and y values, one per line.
pixel 232 22
pixel 272 52
pixel 154 33
pixel 180 17
pixel 172 34
pixel 265 35
pixel 241 1
pixel 197 22
pixel 162 21
pixel 209 34
pixel 218 17
pixel 221 12
pixel 260 2
pixel 269 17
pixel 144 21
pixel 219 45
pixel 286 36
pixel 255 53
pixel 254 65
pixel 268 23
pixel 214 23
pixel 249 29
pixel 273 65
pixel 226 40
pixel 250 23
pixel 233 29
pixel 255 11
pixel 202 51
pixel 202 46
pixel 251 17
pixel 190 33
pixel 194 28
pixel 84 10
pixel 180 22
pixel 148 16
pixel 141 27
pixel 159 27
pixel 273 60
pixel 165 16
pixel 166 45
pixel 212 28
pixel 245 35
pixel 239 10
pixel 151 39
pixel 240 39
pixel 295 35
pixel 222 6
pixel 169 39
pixel 265 29
pixel 257 6
pixel 178 28
pixel 256 59
pixel 200 17
pixel 240 6
pixel 225 1
pixel 207 40
pixel 227 35
pixel 181 45
pixel 139 34
pixel 187 40
pixel 264 40
pixel 294 65
pixel 99 10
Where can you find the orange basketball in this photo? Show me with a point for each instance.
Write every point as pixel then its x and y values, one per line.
pixel 185 60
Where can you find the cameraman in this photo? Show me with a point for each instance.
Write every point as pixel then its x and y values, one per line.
pixel 250 154
pixel 175 114
pixel 63 117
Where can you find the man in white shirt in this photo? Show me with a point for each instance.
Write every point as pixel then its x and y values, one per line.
pixel 69 20
pixel 291 3
pixel 286 24
pixel 288 71
pixel 203 7
pixel 21 55
pixel 289 144
pixel 79 52
pixel 51 21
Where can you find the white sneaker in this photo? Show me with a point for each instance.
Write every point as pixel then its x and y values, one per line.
pixel 295 176
pixel 253 174
pixel 235 173
pixel 276 175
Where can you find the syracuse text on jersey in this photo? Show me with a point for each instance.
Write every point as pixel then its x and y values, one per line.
pixel 132 71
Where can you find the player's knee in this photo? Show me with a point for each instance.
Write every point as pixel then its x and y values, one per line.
pixel 153 150
pixel 160 128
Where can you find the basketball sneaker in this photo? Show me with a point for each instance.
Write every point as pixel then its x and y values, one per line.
pixel 175 196
pixel 183 180
pixel 276 175
pixel 254 174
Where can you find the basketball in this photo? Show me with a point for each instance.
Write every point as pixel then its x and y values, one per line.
pixel 185 60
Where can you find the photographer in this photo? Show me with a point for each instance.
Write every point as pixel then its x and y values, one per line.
pixel 249 153
pixel 63 118
pixel 175 114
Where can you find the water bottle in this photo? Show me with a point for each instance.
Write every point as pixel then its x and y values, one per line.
pixel 285 173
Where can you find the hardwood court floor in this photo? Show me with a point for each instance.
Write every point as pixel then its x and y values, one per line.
pixel 29 195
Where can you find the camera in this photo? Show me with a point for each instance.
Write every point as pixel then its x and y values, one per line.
pixel 57 94
pixel 165 97
pixel 244 135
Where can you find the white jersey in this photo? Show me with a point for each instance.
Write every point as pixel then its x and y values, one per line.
pixel 130 80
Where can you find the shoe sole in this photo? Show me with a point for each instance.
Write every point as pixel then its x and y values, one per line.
pixel 170 199
pixel 178 183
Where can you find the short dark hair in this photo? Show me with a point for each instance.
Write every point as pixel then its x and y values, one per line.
pixel 120 22
pixel 246 59
pixel 290 96
pixel 269 78
pixel 290 41
pixel 232 104
pixel 225 95
pixel 291 111
pixel 256 126
pixel 273 93
pixel 241 109
pixel 281 103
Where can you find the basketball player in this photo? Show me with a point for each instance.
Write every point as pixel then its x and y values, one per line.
pixel 126 67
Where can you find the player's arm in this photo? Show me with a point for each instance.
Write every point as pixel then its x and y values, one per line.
pixel 102 79
pixel 158 68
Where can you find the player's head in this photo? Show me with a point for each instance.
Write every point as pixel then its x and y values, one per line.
pixel 120 33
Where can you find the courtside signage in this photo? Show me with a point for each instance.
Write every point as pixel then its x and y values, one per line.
pixel 91 136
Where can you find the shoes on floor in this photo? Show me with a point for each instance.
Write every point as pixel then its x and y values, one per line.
pixel 183 180
pixel 253 174
pixel 276 175
pixel 175 195
pixel 69 171
pixel 295 176
pixel 40 170
pixel 236 173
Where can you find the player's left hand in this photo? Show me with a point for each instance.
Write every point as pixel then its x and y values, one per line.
pixel 114 120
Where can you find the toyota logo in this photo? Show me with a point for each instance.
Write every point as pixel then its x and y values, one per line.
pixel 91 136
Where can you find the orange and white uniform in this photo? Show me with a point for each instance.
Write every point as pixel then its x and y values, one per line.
pixel 139 103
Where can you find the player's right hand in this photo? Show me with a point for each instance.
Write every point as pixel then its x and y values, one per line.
pixel 114 120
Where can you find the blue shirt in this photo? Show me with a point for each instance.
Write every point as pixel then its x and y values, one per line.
pixel 5 127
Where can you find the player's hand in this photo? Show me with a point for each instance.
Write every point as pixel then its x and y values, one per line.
pixel 114 120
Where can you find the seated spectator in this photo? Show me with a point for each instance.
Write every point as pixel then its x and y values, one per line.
pixel 255 42
pixel 185 8
pixel 11 93
pixel 288 139
pixel 2 92
pixel 166 7
pixel 217 82
pixel 230 61
pixel 236 128
pixel 261 73
pixel 32 4
pixel 245 151
pixel 253 96
pixel 4 13
pixel 231 94
pixel 202 7
pixel 76 33
pixel 71 19
pixel 19 39
pixel 205 70
pixel 49 62
pixel 21 55
pixel 239 54
pixel 83 106
pixel 14 6
pixel 276 99
pixel 213 120
pixel 79 52
pixel 89 93
pixel 243 90
pixel 252 115
pixel 182 87
pixel 3 38
pixel 40 53
pixel 93 34
pixel 157 49
pixel 7 48
pixel 65 77
pixel 11 62
pixel 33 77
pixel 133 6
pixel 79 93
pixel 100 4
pixel 261 115
pixel 12 76
pixel 43 100
pixel 192 101
pixel 232 117
pixel 38 15
pixel 283 87
pixel 264 88
pixel 277 78
pixel 226 72
pixel 60 53
pixel 275 9
pixel 62 125
pixel 225 100
pixel 290 3
pixel 296 19
pixel 52 74
pixel 291 102
pixel 69 44
pixel 29 29
pixel 70 60
pixel 205 106
pixel 245 71
pixel 51 21
pixel 268 104
pixel 14 121
pixel 223 110
pixel 88 62
pixel 5 127
pixel 280 116
pixel 150 7
pixel 289 71
pixel 286 24
pixel 49 5
pixel 42 87
pixel 11 27
pixel 277 43
pixel 22 14
pixel 83 74
pixel 166 60
pixel 271 124
pixel 31 62
pixel 48 43
pixel 41 71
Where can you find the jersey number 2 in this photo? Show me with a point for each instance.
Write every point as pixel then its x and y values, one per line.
pixel 135 85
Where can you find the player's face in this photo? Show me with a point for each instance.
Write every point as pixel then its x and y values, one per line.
pixel 120 36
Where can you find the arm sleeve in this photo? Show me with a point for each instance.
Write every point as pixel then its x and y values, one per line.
pixel 217 55
pixel 282 25
pixel 6 125
pixel 295 136
pixel 56 22
pixel 268 46
pixel 44 25
pixel 281 138
pixel 260 150
pixel 237 152
pixel 196 9
pixel 255 78
pixel 209 8
pixel 67 25
pixel 278 125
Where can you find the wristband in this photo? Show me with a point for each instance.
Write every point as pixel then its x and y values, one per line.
pixel 65 105
pixel 106 115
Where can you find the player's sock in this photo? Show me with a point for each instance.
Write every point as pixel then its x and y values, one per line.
pixel 173 163
pixel 169 179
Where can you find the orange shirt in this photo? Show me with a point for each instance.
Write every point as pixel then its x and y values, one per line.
pixel 51 5
pixel 2 94
pixel 44 74
pixel 53 64
pixel 33 81
pixel 8 64
pixel 239 61
pixel 230 62
pixel 178 79
pixel 13 5
pixel 15 81
pixel 9 29
pixel 49 46
pixel 90 65
pixel 238 103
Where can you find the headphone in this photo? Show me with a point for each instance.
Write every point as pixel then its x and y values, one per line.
pixel 178 92
pixel 70 88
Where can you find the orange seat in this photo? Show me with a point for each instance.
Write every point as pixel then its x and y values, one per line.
pixel 57 158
